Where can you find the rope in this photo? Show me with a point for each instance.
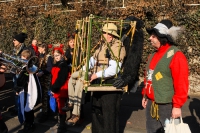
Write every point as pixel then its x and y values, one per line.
pixel 154 110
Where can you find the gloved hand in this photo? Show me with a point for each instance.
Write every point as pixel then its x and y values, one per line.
pixel 118 83
pixel 121 81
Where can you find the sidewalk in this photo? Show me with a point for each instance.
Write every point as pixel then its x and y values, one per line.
pixel 128 123
pixel 132 115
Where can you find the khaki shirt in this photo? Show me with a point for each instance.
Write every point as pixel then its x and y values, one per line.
pixel 118 50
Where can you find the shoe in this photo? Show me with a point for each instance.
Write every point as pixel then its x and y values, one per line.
pixel 28 127
pixel 73 120
pixel 43 118
pixel 68 107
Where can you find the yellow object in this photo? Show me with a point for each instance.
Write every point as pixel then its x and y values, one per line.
pixel 158 76
pixel 88 127
pixel 154 110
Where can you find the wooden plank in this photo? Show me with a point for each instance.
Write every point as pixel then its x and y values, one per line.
pixel 103 88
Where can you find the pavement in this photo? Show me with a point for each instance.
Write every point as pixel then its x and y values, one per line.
pixel 132 115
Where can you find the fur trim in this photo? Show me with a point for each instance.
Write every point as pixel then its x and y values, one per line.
pixel 174 32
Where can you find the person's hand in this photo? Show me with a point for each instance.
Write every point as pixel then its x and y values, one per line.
pixel 93 77
pixel 52 92
pixel 39 74
pixel 118 83
pixel 144 102
pixel 122 81
pixel 2 68
pixel 176 112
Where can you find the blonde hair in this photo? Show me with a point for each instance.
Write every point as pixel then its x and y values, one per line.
pixel 57 51
pixel 26 53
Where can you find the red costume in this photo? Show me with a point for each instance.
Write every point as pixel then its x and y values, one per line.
pixel 59 83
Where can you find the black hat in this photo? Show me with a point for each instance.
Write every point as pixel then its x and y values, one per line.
pixel 20 37
pixel 162 29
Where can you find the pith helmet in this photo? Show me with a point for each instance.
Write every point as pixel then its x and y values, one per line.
pixel 110 28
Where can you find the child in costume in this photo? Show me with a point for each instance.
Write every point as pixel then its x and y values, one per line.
pixel 28 89
pixel 59 84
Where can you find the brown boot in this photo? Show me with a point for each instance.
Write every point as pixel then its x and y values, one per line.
pixel 73 120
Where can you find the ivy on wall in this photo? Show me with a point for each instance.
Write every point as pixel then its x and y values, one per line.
pixel 50 21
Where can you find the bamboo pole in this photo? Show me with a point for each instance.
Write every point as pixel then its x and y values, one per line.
pixel 74 52
pixel 88 51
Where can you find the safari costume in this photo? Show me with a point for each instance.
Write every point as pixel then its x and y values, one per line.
pixel 105 104
pixel 99 64
pixel 105 64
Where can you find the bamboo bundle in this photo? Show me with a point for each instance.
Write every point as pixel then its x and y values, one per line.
pixel 84 47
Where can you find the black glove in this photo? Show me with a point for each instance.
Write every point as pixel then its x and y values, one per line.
pixel 122 81
pixel 118 83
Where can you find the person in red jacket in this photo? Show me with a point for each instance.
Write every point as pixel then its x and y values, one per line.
pixel 166 77
pixel 59 84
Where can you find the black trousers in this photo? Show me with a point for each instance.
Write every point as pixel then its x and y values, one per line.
pixel 105 112
pixel 29 116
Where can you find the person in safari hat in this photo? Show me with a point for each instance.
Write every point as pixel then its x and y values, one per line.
pixel 103 64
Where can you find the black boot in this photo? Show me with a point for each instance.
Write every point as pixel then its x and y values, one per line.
pixel 62 126
pixel 28 127
pixel 43 118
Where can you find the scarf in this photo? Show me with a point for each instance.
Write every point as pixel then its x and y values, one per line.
pixel 35 49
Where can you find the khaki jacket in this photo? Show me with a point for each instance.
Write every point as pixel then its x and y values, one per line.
pixel 100 54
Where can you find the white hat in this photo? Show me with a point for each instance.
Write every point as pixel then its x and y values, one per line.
pixel 110 28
